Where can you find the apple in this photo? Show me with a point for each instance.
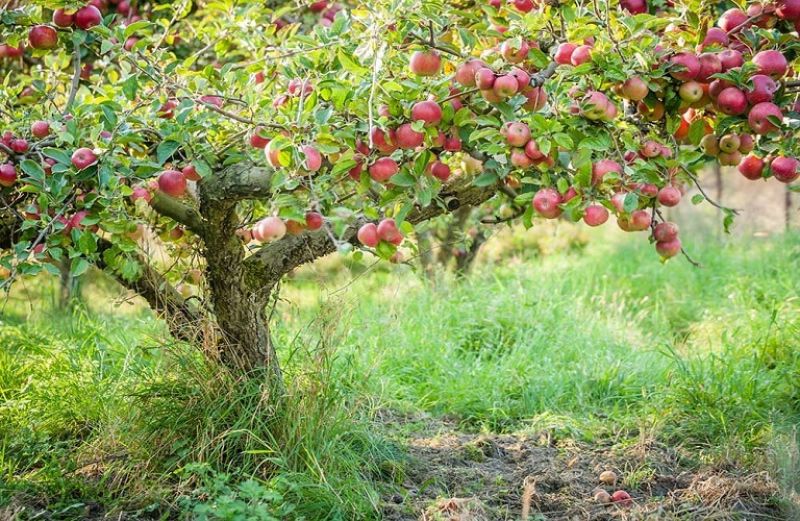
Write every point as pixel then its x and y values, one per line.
pixel 602 167
pixel 269 229
pixel 667 249
pixel 452 144
pixel 691 91
pixel 140 192
pixel 710 145
pixel 759 117
pixel 686 66
pixel 484 78
pixel 8 175
pixel 407 138
pixel 257 139
pixel 746 143
pixel 526 6
pixel 532 150
pixel 634 89
pixel 518 134
pixel 190 173
pixel 83 158
pixel 167 110
pixel 537 98
pixel 601 496
pixel 505 86
pixel 172 182
pixel 384 141
pixel 669 196
pixel 731 19
pixel 640 220
pixel 294 227
pixel 387 231
pixel 298 86
pixel 62 18
pixel 763 89
pixel 368 235
pixel 650 149
pixel 563 54
pixel 772 63
pixel 546 202
pixel 785 169
pixel 634 6
pixel 651 113
pixel 40 129
pixel 465 73
pixel 752 167
pixel 729 143
pixel 710 64
pixel 788 10
pixel 383 169
pixel 428 111
pixel 594 105
pixel 730 59
pixel 43 37
pixel 313 159
pixel 87 17
pixel 581 54
pixel 595 215
pixel 520 159
pixel 440 171
pixel 665 232
pixel 523 79
pixel 20 146
pixel 715 36
pixel 314 221
pixel 425 63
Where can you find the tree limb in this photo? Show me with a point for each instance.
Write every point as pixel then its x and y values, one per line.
pixel 238 183
pixel 177 211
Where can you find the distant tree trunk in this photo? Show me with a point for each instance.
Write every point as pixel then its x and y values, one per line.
pixel 788 208
pixel 465 262
pixel 426 260
pixel 69 287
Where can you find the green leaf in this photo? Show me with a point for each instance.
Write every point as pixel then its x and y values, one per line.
pixel 485 179
pixel 59 155
pixel 165 150
pixel 698 198
pixel 79 266
pixel 403 179
pixel 33 169
pixel 631 202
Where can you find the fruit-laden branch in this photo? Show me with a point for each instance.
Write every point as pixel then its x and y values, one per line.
pixel 179 212
pixel 274 260
pixel 185 322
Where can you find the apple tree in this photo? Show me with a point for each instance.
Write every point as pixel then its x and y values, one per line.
pixel 200 150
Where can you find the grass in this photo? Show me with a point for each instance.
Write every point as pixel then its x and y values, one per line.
pixel 97 413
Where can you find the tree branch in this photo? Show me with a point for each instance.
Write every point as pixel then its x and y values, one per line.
pixel 238 183
pixel 177 211
pixel 76 79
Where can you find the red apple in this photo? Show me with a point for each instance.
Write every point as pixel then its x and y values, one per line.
pixel 425 63
pixel 427 111
pixel 313 159
pixel 752 167
pixel 40 129
pixel 759 117
pixel 731 19
pixel 514 54
pixel 665 232
pixel 546 202
pixel 602 167
pixel 368 235
pixel 62 18
pixel 666 249
pixel 669 196
pixel 43 37
pixel 190 173
pixel 172 182
pixel 634 89
pixel 686 66
pixel 595 215
pixel 83 158
pixel 581 54
pixel 88 17
pixel 8 175
pixel 387 231
pixel 269 229
pixel 407 138
pixel 729 143
pixel 785 169
pixel 314 221
pixel 563 55
pixel 505 86
pixel 634 6
pixel 465 74
pixel 772 63
pixel 383 169
pixel 518 134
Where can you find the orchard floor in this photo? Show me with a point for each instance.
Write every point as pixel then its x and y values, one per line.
pixel 476 400
pixel 453 475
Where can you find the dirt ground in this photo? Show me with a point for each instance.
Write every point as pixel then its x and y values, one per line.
pixel 456 476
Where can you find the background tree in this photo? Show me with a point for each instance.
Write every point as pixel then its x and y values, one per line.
pixel 200 151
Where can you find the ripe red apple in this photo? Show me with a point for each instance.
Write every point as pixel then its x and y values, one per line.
pixel 594 105
pixel 313 159
pixel 269 229
pixel 43 37
pixel 730 59
pixel 83 158
pixel 428 111
pixel 686 66
pixel 634 89
pixel 526 6
pixel 387 231
pixel 788 10
pixel 505 86
pixel 602 167
pixel 407 138
pixel 731 19
pixel 294 227
pixel 634 6
pixel 523 79
pixel 715 36
pixel 465 73
pixel 532 150
pixel 581 54
pixel 563 55
pixel 546 202
pixel 484 78
pixel 172 182
pixel 384 141
pixel 520 159
pixel 383 169
pixel 8 175
pixel 62 18
pixel 709 64
pixel 257 139
pixel 368 235
pixel 772 63
pixel 763 89
pixel 651 113
pixel 536 96
pixel 667 249
pixel 452 143
pixel 87 17
pixel 785 169
pixel 665 232
pixel 650 149
pixel 752 167
pixel 640 220
pixel 167 110
pixel 595 215
pixel 440 171
pixel 40 129
pixel 425 63
pixel 314 221
pixel 518 134
pixel 759 117
pixel 190 173
pixel 746 143
pixel 140 192
pixel 20 146
pixel 669 196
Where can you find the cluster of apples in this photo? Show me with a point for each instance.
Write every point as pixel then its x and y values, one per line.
pixel 273 228
pixel 371 234
pixel 525 151
pixel 20 145
pixel 326 10
pixel 496 87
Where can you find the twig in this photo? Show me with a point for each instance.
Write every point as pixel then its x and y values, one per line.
pixel 703 192
pixel 76 79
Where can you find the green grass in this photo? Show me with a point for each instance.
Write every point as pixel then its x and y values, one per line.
pixel 98 410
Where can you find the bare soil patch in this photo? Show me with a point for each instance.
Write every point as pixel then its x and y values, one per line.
pixel 458 476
